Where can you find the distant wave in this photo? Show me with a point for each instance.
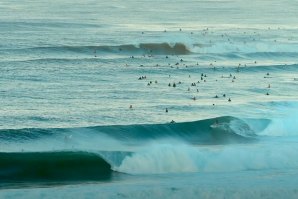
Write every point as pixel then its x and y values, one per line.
pixel 129 49
pixel 271 54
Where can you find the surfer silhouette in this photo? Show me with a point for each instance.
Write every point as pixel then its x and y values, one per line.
pixel 215 124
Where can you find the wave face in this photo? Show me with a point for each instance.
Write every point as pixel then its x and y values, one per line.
pixel 53 166
pixel 209 131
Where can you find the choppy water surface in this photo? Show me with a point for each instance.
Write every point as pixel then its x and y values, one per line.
pixel 148 99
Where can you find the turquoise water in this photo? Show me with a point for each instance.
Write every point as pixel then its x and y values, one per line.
pixel 85 85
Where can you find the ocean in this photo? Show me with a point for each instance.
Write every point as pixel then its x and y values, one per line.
pixel 148 99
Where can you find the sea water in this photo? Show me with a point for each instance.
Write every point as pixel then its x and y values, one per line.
pixel 148 99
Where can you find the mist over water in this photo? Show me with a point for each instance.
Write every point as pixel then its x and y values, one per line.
pixel 149 99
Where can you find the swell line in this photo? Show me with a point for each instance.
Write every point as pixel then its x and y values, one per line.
pixel 221 130
pixel 127 49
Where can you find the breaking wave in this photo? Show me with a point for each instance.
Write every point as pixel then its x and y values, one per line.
pixel 127 49
pixel 221 130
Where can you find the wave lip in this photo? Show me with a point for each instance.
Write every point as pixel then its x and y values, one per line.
pixel 53 166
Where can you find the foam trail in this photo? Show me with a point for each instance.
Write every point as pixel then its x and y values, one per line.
pixel 176 158
pixel 284 125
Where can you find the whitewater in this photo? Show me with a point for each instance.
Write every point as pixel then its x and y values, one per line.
pixel 148 99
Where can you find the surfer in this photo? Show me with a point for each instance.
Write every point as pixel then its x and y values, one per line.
pixel 215 124
pixel 67 138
